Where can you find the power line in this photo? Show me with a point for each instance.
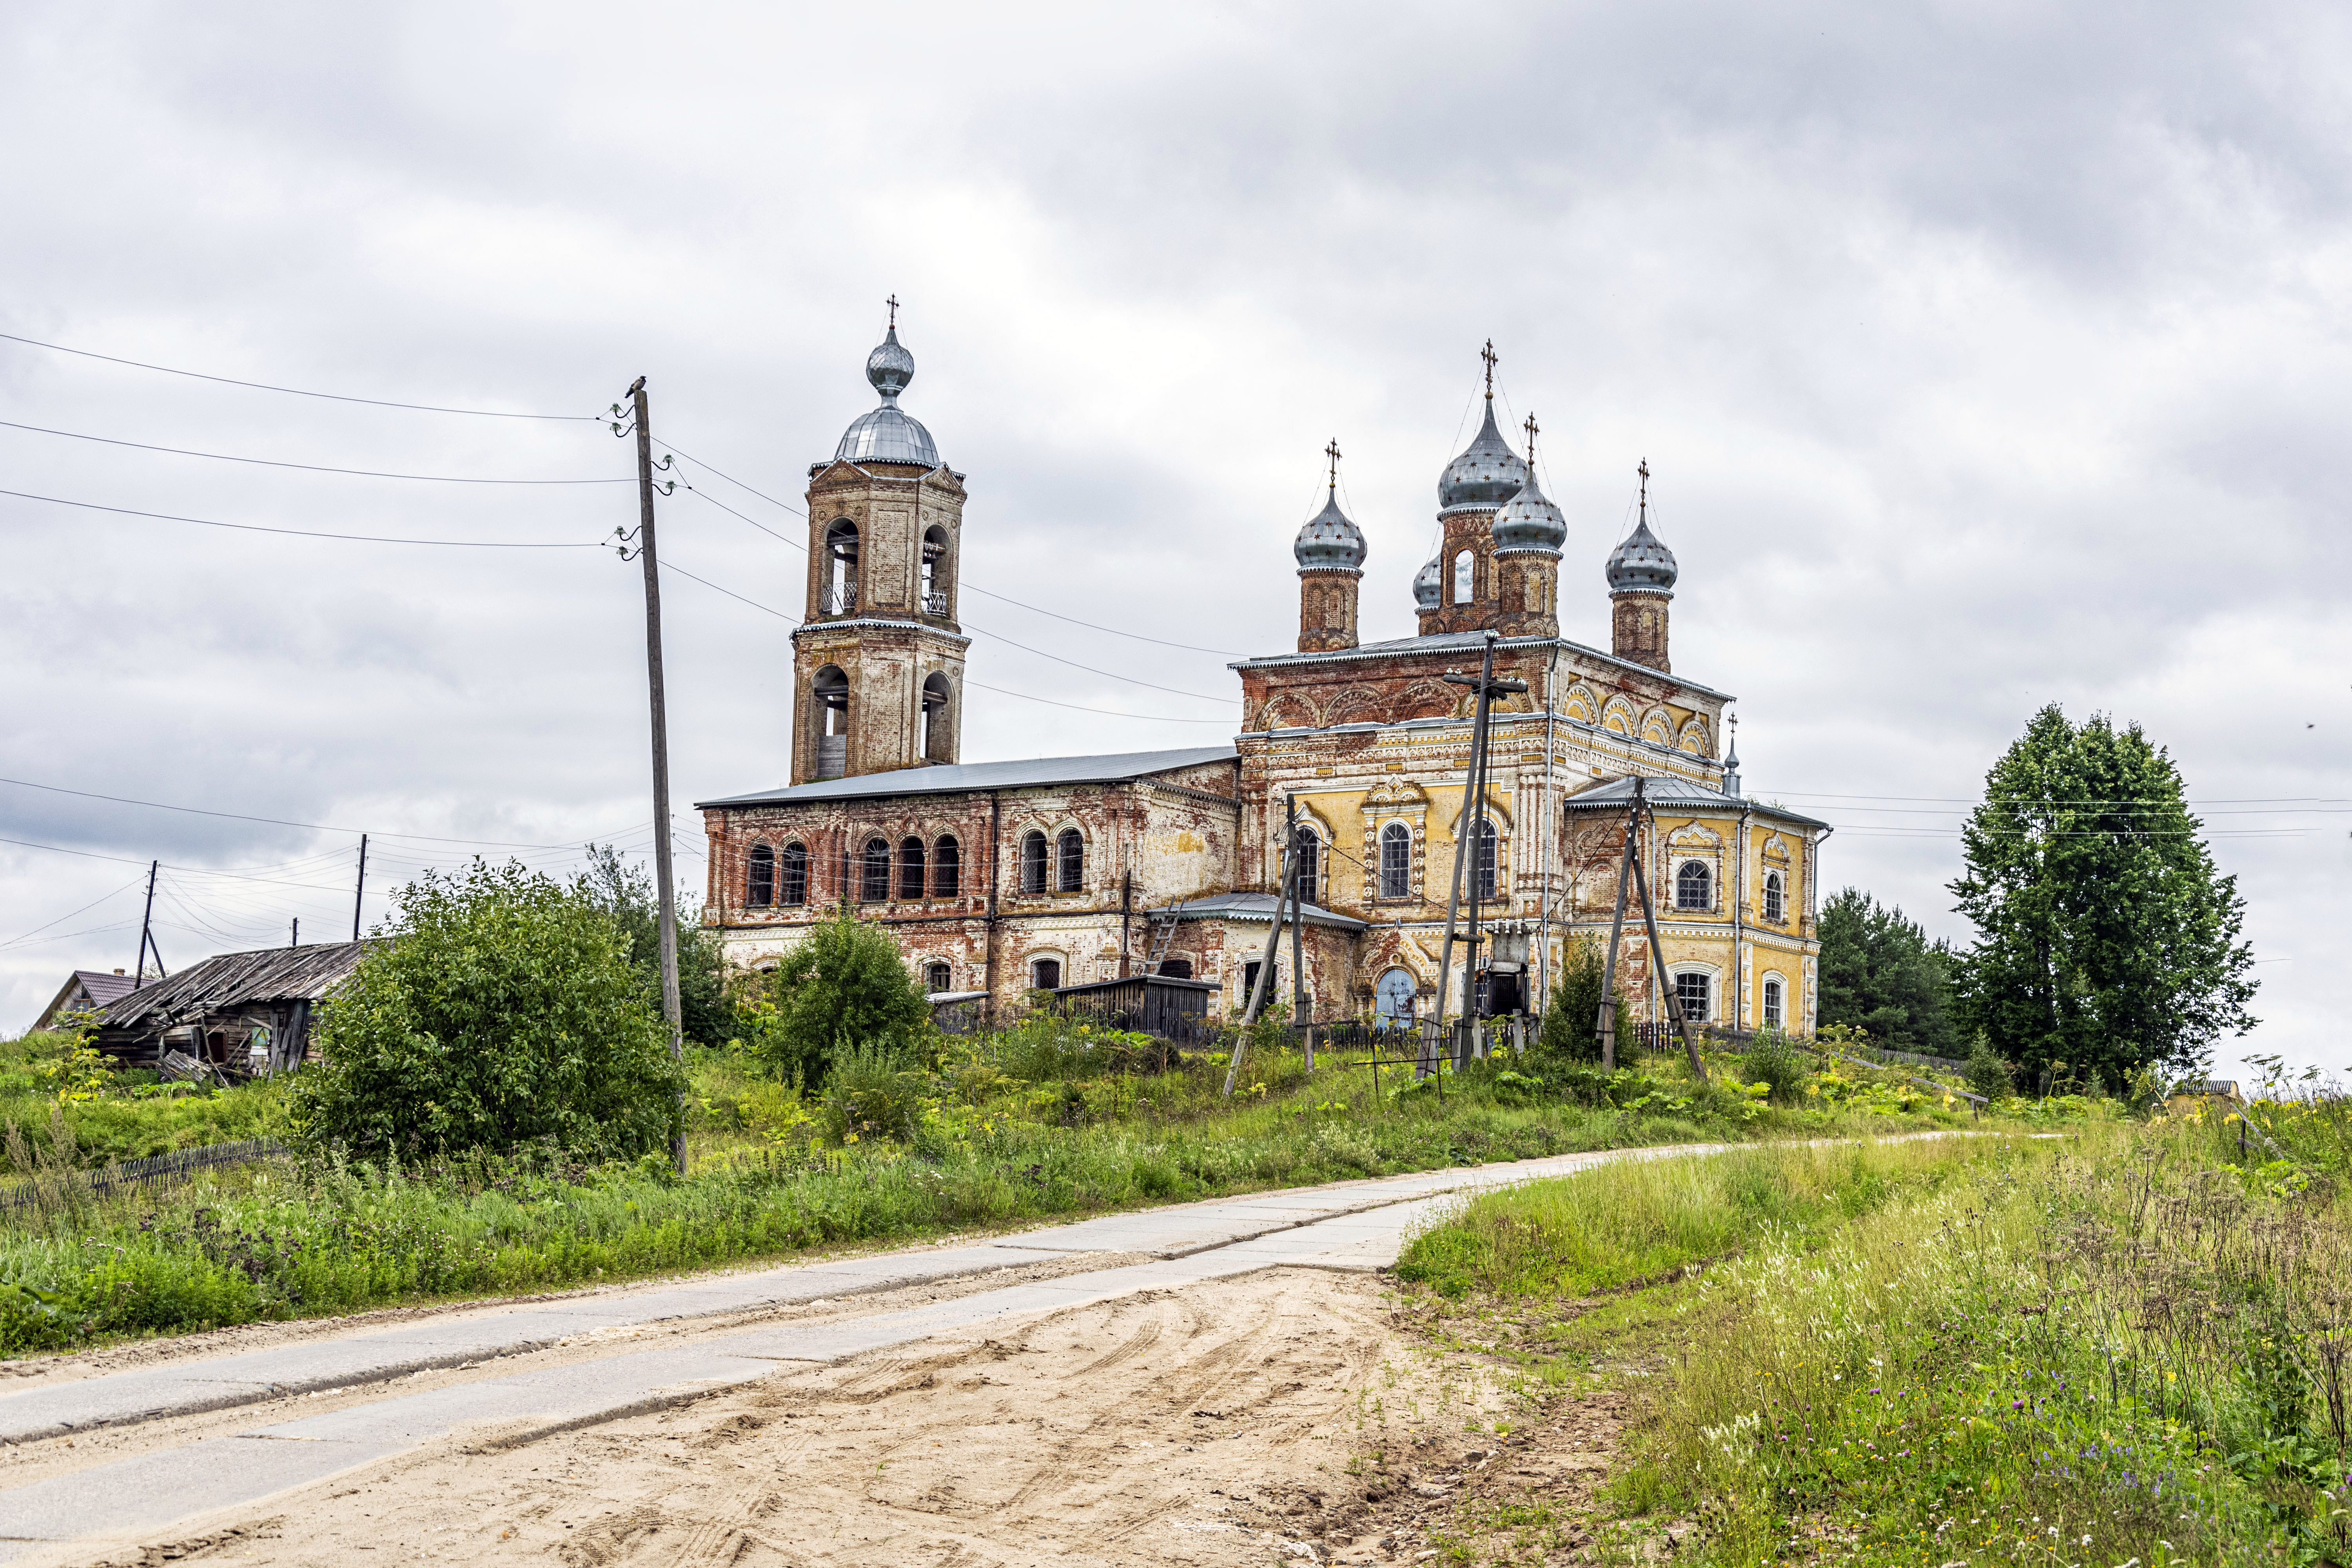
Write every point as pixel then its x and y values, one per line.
pixel 62 919
pixel 970 586
pixel 1001 691
pixel 303 532
pixel 307 468
pixel 296 391
pixel 276 821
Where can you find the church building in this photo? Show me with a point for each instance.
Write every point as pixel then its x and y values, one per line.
pixel 999 878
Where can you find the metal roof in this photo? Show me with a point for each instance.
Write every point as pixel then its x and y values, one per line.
pixel 1486 474
pixel 237 979
pixel 961 778
pixel 1668 791
pixel 1470 642
pixel 1254 907
pixel 1329 541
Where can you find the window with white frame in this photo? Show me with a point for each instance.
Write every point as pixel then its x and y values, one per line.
pixel 1695 886
pixel 1691 991
pixel 1773 1009
pixel 1774 897
pixel 1396 861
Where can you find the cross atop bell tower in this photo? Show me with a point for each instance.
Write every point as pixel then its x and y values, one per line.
pixel 1488 353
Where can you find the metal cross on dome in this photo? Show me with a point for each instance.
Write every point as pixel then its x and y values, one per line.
pixel 1488 353
pixel 1332 452
pixel 893 302
pixel 1532 429
pixel 1644 471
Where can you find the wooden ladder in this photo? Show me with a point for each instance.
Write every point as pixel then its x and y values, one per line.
pixel 1163 926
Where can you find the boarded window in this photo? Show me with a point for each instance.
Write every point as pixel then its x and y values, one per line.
pixel 1396 861
pixel 874 879
pixel 1695 886
pixel 792 891
pixel 1070 861
pixel 1032 862
pixel 947 868
pixel 759 886
pixel 910 868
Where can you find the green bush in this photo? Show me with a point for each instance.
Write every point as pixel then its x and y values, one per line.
pixel 874 1091
pixel 1988 1074
pixel 1570 1032
pixel 504 1012
pixel 843 985
pixel 1772 1061
pixel 625 894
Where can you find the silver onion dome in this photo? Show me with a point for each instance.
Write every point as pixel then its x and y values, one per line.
pixel 1642 564
pixel 1429 584
pixel 1529 522
pixel 1487 473
pixel 888 434
pixel 1330 542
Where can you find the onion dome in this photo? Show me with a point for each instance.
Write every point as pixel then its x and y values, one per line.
pixel 1529 522
pixel 1642 564
pixel 1429 584
pixel 1485 475
pixel 1330 542
pixel 889 434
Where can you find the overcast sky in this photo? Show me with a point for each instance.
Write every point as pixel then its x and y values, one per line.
pixel 1985 355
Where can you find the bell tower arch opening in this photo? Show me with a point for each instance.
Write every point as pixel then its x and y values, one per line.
pixel 939 719
pixel 829 707
pixel 840 569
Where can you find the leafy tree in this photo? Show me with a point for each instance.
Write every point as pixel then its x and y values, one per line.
pixel 1880 973
pixel 504 1011
pixel 2105 937
pixel 1570 1026
pixel 625 894
pixel 843 985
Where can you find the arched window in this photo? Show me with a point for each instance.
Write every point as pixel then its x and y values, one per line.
pixel 947 868
pixel 935 571
pixel 1046 974
pixel 830 689
pixel 910 868
pixel 1691 991
pixel 1693 887
pixel 841 568
pixel 1772 1008
pixel 1396 861
pixel 1489 853
pixel 1309 854
pixel 1070 861
pixel 1773 899
pixel 1466 578
pixel 939 731
pixel 1032 862
pixel 794 891
pixel 938 977
pixel 874 882
pixel 759 886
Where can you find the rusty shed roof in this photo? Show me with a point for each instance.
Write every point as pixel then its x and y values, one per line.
pixel 240 979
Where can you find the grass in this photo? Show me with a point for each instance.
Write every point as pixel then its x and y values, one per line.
pixel 2124 1347
pixel 1029 1125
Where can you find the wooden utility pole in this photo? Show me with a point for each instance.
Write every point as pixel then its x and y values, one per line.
pixel 146 932
pixel 359 893
pixel 1674 1005
pixel 1265 978
pixel 662 884
pixel 1607 1022
pixel 1466 838
pixel 1301 1013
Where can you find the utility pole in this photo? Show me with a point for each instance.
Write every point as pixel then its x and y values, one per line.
pixel 1466 835
pixel 662 882
pixel 359 893
pixel 1265 985
pixel 146 932
pixel 1674 1005
pixel 1301 1013
pixel 294 937
pixel 1607 1022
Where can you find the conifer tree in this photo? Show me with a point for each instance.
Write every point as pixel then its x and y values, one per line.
pixel 2105 939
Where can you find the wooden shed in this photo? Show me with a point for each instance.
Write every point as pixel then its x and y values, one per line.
pixel 245 1013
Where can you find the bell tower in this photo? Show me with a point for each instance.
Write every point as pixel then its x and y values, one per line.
pixel 878 663
pixel 1641 576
